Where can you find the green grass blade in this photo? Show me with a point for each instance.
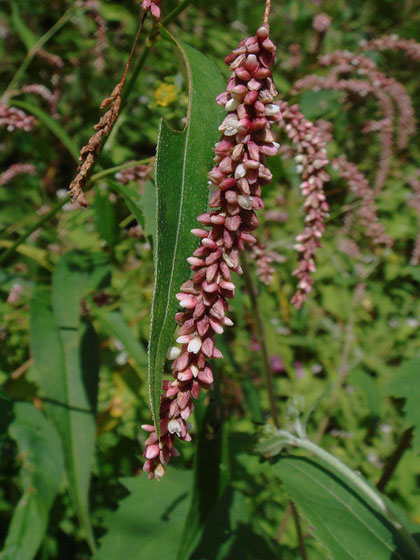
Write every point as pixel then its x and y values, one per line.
pixel 65 351
pixel 51 124
pixel 25 34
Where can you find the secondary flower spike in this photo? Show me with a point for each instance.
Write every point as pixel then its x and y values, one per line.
pixel 235 182
pixel 311 161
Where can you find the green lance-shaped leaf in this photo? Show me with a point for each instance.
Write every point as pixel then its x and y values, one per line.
pixel 343 521
pixel 65 351
pixel 105 217
pixel 183 161
pixel 406 385
pixel 114 323
pixel 131 198
pixel 41 458
pixel 148 524
pixel 143 207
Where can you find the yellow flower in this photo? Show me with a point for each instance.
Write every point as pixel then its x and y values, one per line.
pixel 165 94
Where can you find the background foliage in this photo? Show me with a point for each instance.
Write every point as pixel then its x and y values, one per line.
pixel 76 297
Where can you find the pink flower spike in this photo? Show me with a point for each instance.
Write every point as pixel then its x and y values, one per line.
pixel 236 178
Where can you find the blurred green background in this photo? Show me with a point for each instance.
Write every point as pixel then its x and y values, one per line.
pixel 359 325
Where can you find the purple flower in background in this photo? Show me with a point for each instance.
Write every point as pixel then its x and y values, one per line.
pixel 299 371
pixel 277 364
pixel 254 346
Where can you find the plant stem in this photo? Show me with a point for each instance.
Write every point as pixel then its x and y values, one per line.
pixel 22 368
pixel 149 44
pixel 176 11
pixel 150 41
pixel 33 51
pixel 301 538
pixel 342 370
pixel 284 522
pixel 267 11
pixel 131 82
pixel 133 48
pixel 394 459
pixel 368 492
pixel 260 332
pixel 111 170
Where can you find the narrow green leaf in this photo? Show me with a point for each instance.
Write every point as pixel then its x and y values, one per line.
pixel 143 207
pixel 132 200
pixel 148 523
pixel 114 324
pixel 183 160
pixel 25 34
pixel 65 351
pixel 41 473
pixel 406 385
pixel 105 218
pixel 30 251
pixel 348 526
pixel 51 124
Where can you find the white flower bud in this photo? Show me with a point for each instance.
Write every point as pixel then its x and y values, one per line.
pixel 173 352
pixel 194 345
pixel 174 427
pixel 271 110
pixel 240 171
pixel 231 105
pixel 245 202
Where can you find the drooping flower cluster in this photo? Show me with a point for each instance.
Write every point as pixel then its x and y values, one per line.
pixel 52 59
pixel 235 182
pixel 367 210
pixel 93 9
pixel 360 88
pixel 295 59
pixel 152 7
pixel 414 202
pixel 263 259
pixel 382 85
pixel 42 91
pixel 15 170
pixel 140 173
pixel 321 23
pixel 311 161
pixel 15 119
pixel 393 43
